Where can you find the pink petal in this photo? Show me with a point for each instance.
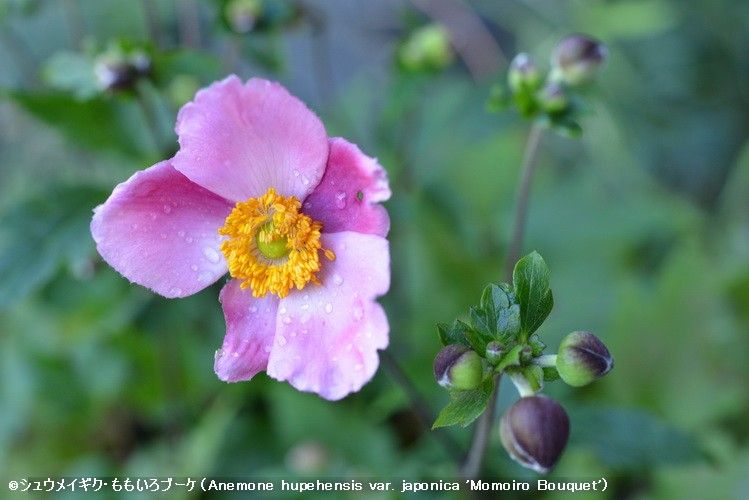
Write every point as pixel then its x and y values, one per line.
pixel 159 230
pixel 239 140
pixel 327 336
pixel 347 198
pixel 250 328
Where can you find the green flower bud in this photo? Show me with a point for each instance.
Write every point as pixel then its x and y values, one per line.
pixel 582 358
pixel 534 431
pixel 576 58
pixel 457 367
pixel 426 49
pixel 553 98
pixel 494 351
pixel 242 15
pixel 524 73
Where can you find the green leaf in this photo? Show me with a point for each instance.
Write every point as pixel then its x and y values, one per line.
pixel 481 322
pixel 39 233
pixel 550 374
pixel 466 406
pixel 71 72
pixel 101 123
pixel 454 334
pixel 537 346
pixel 511 358
pixel 531 281
pixel 534 375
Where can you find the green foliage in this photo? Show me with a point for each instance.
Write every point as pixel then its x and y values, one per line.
pixel 40 233
pixel 531 284
pixel 465 406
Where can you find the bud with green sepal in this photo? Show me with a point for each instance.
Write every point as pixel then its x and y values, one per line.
pixel 523 75
pixel 553 98
pixel 576 59
pixel 583 358
pixel 494 351
pixel 459 368
pixel 534 431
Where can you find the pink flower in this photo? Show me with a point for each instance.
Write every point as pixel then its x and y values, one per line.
pixel 259 190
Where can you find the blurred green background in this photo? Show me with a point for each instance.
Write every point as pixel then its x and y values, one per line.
pixel 644 223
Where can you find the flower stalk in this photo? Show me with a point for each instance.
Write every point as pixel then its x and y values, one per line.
pixel 472 465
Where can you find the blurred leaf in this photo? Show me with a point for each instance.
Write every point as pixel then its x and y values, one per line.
pixel 39 233
pixel 631 440
pixel 103 123
pixel 182 62
pixel 531 281
pixel 71 72
pixel 630 18
pixel 466 406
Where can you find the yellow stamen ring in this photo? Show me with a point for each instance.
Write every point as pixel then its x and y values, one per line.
pixel 271 245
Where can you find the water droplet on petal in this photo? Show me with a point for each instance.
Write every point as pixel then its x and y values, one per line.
pixel 282 310
pixel 286 320
pixel 153 216
pixel 175 291
pixel 205 276
pixel 296 173
pixel 328 308
pixel 181 234
pixel 266 348
pixel 211 255
pixel 281 340
pixel 305 307
pixel 163 236
pixel 358 313
pixel 188 239
pixel 337 279
pixel 194 267
pixel 340 199
pixel 167 209
pixel 305 180
pixel 253 309
pixel 293 334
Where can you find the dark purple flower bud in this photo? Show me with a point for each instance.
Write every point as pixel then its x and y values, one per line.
pixel 577 57
pixel 457 367
pixel 141 62
pixel 582 358
pixel 534 431
pixel 115 73
pixel 523 73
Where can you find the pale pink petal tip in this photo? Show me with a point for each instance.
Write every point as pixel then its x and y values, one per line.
pixel 237 140
pixel 159 230
pixel 348 197
pixel 327 336
pixel 250 329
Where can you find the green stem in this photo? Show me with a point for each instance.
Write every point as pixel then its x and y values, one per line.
pixel 472 465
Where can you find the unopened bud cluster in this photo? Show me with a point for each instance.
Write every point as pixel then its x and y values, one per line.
pixel 116 70
pixel 550 95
